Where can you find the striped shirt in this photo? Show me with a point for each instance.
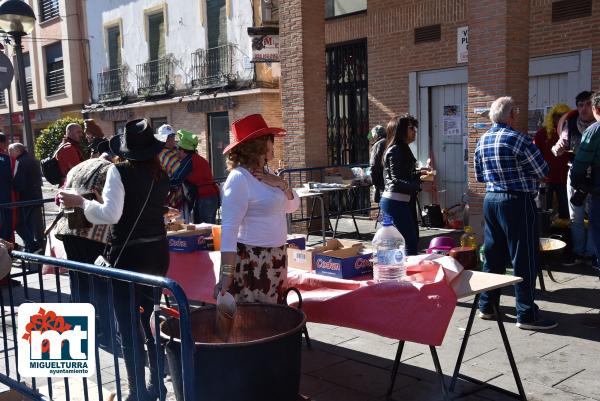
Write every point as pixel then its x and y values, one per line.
pixel 508 161
pixel 169 160
pixel 588 153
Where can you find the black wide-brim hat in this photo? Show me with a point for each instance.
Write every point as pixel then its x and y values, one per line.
pixel 137 142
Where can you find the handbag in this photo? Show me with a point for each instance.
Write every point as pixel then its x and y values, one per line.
pixel 101 259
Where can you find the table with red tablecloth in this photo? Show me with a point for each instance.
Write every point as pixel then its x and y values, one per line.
pixel 418 309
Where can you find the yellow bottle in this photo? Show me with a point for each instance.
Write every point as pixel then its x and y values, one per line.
pixel 468 238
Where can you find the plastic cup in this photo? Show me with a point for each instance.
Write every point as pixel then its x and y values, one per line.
pixel 216 234
pixel 68 210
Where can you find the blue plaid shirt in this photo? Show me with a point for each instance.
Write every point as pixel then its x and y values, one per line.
pixel 508 161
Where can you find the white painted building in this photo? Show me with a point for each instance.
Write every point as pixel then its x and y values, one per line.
pixel 182 62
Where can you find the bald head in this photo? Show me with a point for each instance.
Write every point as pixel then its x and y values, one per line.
pixel 74 132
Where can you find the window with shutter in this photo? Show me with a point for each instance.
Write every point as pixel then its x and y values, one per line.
pixel 114 47
pixel 216 17
pixel 48 9
pixel 156 36
pixel 55 77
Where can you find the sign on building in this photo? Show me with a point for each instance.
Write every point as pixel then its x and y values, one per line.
pixel 211 105
pixel 462 44
pixel 265 44
pixel 265 49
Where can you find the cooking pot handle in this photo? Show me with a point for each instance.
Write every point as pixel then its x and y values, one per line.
pixel 297 291
pixel 556 236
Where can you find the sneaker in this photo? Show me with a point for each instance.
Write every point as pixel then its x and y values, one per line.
pixel 487 316
pixel 573 260
pixel 540 324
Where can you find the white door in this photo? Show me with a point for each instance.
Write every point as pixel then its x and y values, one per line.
pixel 443 130
pixel 556 79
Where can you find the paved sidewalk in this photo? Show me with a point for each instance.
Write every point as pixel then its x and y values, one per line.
pixel 350 365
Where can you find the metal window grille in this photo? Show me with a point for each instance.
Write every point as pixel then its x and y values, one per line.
pixel 347 103
pixel 564 10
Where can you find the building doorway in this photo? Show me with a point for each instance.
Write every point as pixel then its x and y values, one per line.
pixel 218 138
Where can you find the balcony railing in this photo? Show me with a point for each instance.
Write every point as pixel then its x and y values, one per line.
pixel 48 9
pixel 55 82
pixel 111 84
pixel 155 77
pixel 213 68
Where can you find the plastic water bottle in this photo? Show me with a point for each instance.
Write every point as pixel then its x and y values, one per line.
pixel 390 247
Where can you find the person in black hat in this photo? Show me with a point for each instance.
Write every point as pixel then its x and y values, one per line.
pixel 133 204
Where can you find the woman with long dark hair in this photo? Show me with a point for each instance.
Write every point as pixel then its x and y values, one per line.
pixel 402 181
pixel 133 204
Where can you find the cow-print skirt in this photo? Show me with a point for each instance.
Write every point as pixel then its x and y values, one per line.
pixel 260 274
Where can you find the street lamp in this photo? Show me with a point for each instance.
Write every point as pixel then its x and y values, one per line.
pixel 17 19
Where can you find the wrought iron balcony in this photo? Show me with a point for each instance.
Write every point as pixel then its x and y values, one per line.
pixel 155 78
pixel 111 85
pixel 213 68
pixel 55 82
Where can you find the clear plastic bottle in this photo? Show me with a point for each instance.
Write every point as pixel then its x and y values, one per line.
pixel 390 247
pixel 468 238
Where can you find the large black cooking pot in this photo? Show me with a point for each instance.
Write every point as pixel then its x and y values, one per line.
pixel 261 360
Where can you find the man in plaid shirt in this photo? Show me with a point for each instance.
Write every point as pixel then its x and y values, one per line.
pixel 511 167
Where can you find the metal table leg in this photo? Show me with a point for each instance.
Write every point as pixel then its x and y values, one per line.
pixel 509 354
pixel 395 368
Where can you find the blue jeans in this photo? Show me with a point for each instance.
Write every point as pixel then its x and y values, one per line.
pixel 205 209
pixel 595 223
pixel 583 243
pixel 511 237
pixel 404 215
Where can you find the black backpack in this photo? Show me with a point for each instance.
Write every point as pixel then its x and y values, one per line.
pixel 51 169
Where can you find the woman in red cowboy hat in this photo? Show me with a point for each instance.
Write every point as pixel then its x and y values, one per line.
pixel 254 207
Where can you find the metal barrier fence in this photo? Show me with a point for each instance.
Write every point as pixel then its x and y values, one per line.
pixel 19 206
pixel 35 286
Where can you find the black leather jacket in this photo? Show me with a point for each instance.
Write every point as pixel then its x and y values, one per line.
pixel 399 170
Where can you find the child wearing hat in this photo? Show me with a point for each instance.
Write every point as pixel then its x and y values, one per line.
pixel 194 175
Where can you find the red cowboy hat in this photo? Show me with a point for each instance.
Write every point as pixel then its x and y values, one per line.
pixel 251 127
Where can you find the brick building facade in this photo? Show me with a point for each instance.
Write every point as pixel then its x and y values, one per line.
pixel 515 48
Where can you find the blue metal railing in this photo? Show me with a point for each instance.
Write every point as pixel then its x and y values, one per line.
pixel 16 296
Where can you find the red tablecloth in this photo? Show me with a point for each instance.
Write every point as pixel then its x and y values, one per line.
pixel 418 310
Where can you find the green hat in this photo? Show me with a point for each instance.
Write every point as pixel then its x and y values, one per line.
pixel 187 140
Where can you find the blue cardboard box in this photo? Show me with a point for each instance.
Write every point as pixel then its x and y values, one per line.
pixel 190 241
pixel 296 241
pixel 343 262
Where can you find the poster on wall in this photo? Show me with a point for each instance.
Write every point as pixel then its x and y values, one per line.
pixel 452 120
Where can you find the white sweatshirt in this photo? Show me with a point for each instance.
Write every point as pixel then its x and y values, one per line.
pixel 253 213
